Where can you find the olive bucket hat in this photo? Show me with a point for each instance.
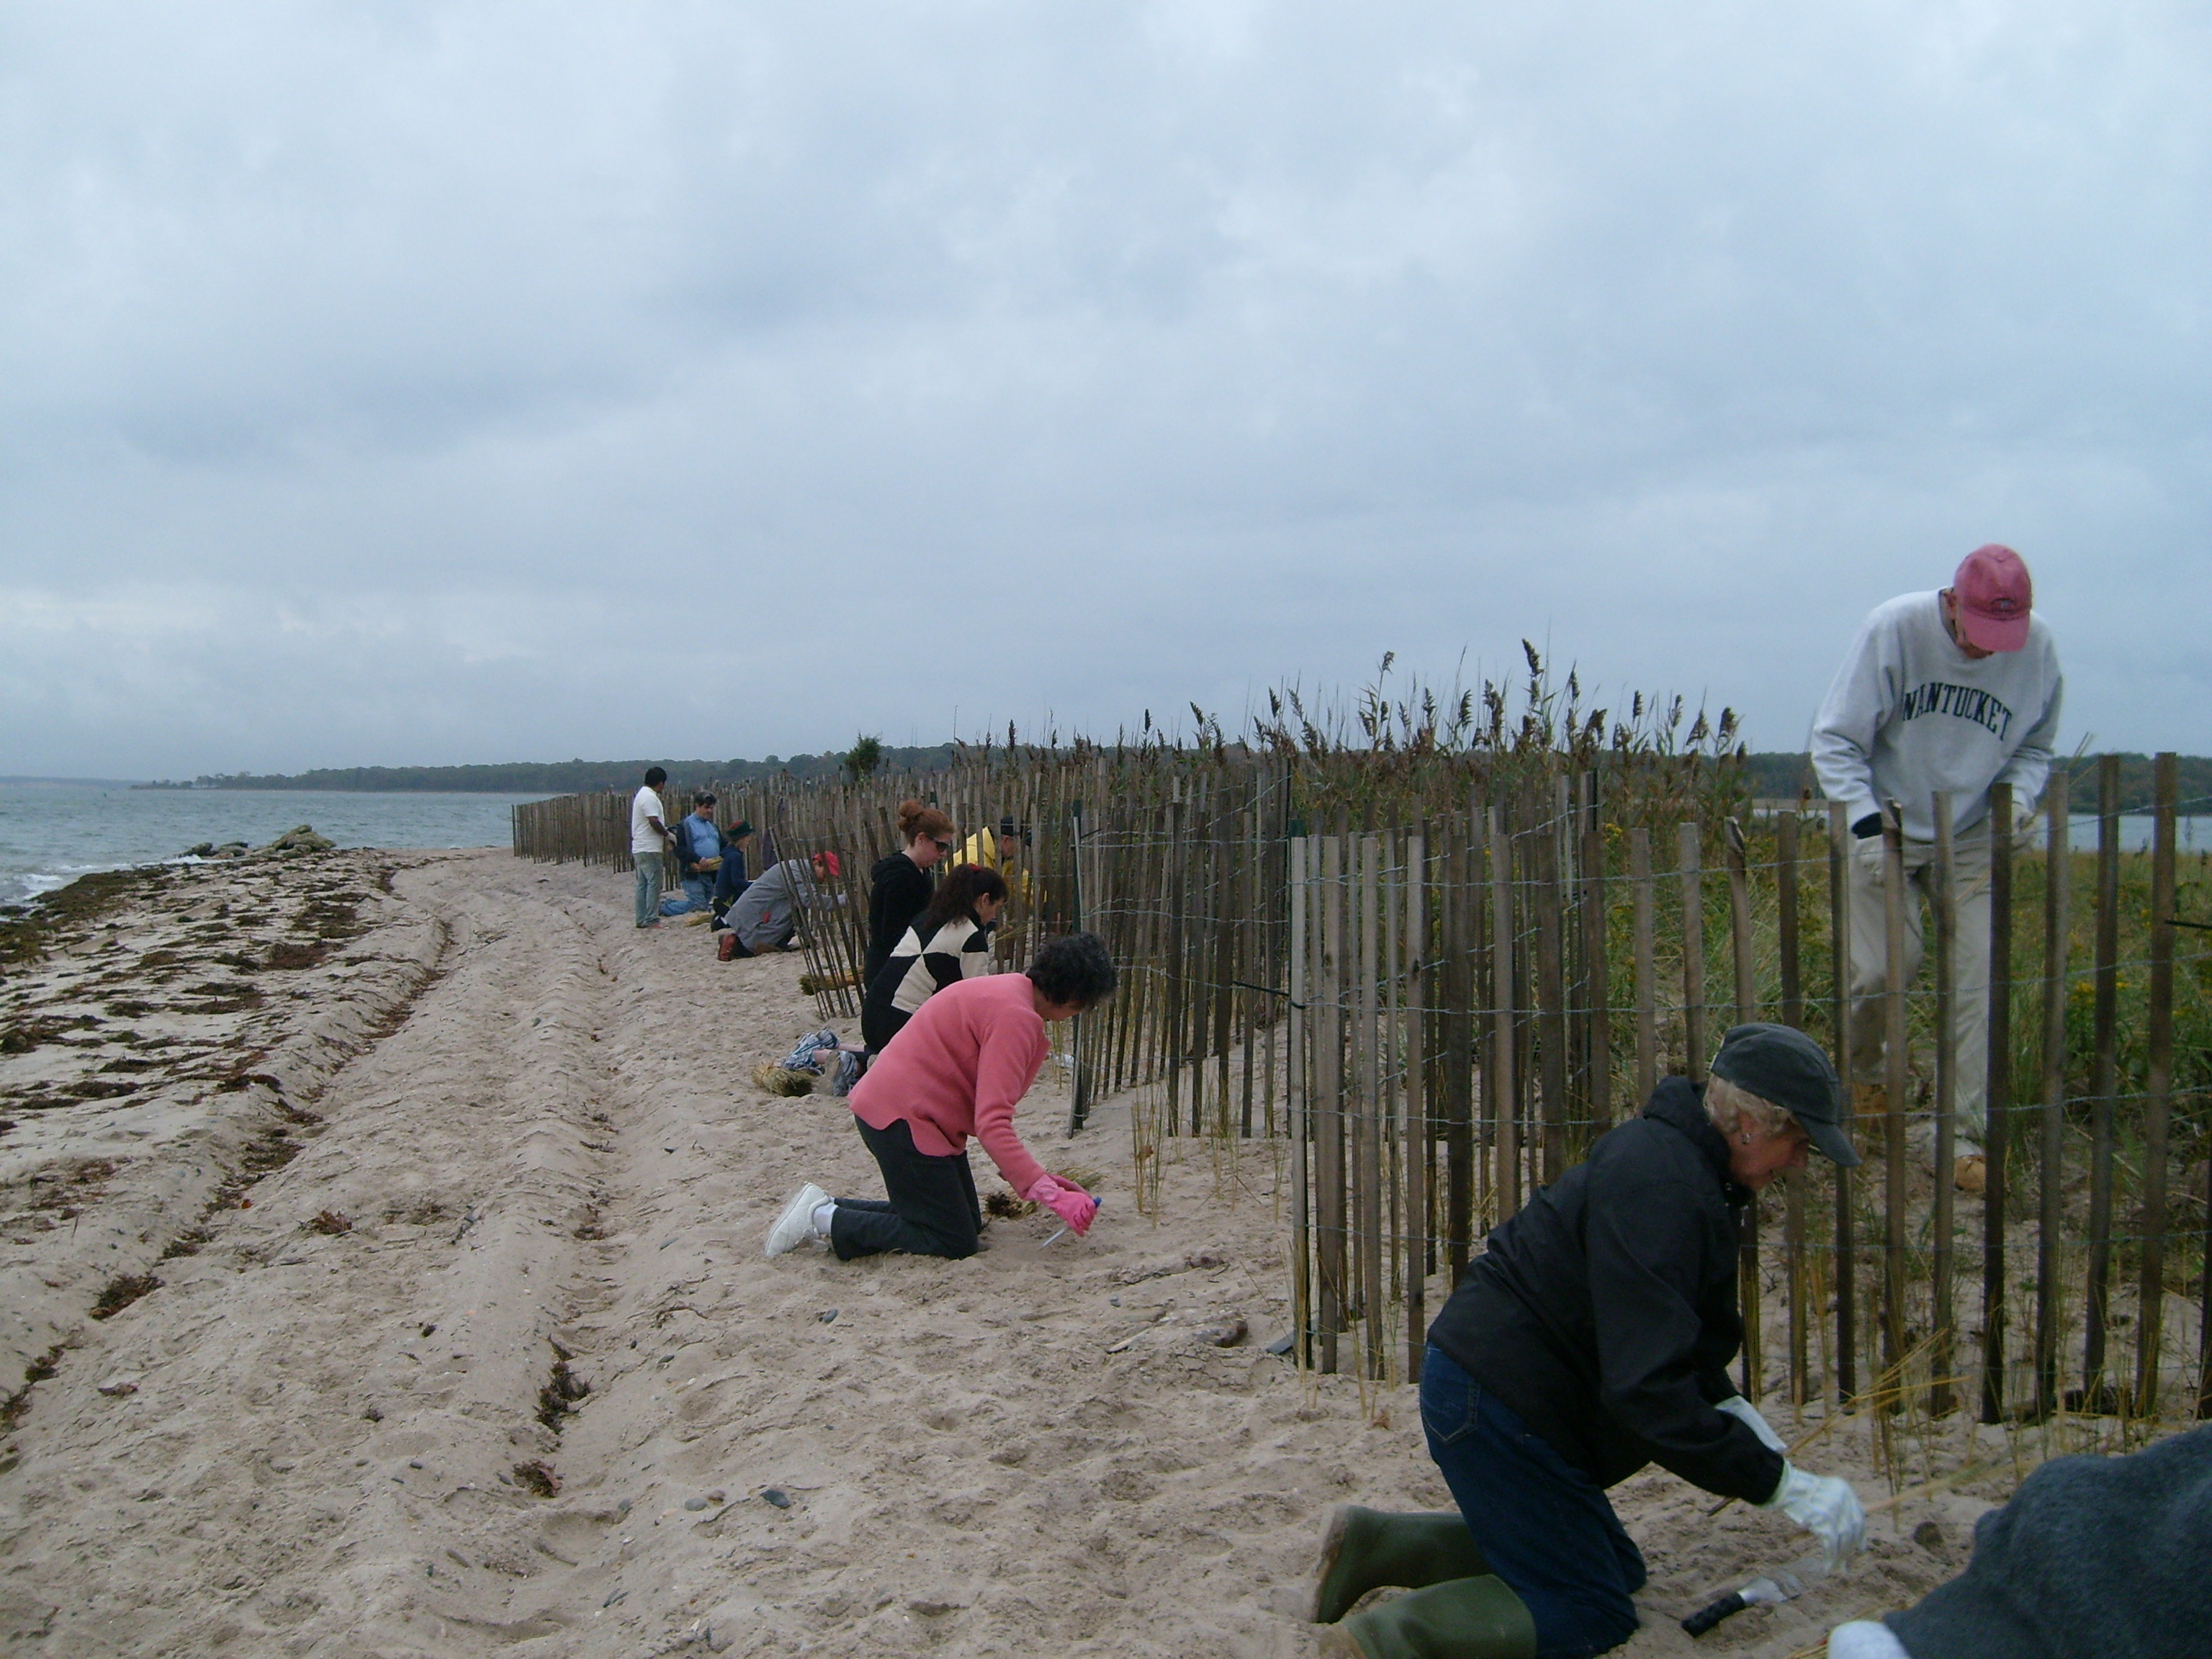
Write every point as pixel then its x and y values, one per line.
pixel 1782 1065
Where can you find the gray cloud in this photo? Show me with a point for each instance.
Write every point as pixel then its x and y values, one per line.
pixel 413 383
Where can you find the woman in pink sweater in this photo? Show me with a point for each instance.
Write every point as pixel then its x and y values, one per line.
pixel 958 1068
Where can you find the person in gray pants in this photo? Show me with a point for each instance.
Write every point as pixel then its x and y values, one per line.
pixel 1953 690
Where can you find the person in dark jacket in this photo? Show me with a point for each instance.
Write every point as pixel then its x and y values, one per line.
pixel 1591 1338
pixel 899 885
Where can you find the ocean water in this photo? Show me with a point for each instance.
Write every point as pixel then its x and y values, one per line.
pixel 52 833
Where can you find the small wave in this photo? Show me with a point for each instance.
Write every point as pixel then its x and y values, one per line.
pixel 19 887
pixel 17 891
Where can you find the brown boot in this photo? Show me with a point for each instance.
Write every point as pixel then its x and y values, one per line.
pixel 1971 1173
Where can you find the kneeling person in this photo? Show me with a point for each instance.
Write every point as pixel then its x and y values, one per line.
pixel 1591 1338
pixel 959 1069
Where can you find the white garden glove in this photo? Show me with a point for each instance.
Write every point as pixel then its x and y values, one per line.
pixel 1825 1507
pixel 1745 1413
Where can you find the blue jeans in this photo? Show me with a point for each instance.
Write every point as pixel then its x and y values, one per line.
pixel 1543 1526
pixel 698 895
pixel 648 888
pixel 715 891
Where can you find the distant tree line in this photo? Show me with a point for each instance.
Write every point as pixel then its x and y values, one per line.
pixel 573 777
pixel 1775 776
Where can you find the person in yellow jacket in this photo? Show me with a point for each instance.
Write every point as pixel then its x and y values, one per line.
pixel 998 852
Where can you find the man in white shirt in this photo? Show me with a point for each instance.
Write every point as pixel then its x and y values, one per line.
pixel 648 844
pixel 1953 690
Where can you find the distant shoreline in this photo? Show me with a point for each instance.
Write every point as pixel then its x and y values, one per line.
pixel 73 783
pixel 572 777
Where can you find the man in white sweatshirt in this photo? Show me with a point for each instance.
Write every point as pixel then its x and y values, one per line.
pixel 1956 689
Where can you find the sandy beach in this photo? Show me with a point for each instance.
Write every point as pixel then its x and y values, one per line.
pixel 382 1244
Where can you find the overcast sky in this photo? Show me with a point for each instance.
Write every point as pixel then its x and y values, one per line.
pixel 418 383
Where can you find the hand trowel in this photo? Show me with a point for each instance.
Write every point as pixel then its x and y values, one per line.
pixel 1770 1589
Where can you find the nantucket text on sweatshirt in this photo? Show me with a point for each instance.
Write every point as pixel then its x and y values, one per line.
pixel 1910 714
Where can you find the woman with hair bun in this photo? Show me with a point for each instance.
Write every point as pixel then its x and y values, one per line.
pixel 899 885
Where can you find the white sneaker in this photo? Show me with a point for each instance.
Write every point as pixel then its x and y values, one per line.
pixel 796 1224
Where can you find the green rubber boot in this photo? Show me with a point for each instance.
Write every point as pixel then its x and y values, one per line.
pixel 1365 1549
pixel 1465 1619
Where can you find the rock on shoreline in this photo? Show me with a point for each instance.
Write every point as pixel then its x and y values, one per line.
pixel 301 838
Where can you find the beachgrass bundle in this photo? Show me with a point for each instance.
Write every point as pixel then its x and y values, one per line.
pixel 1005 1206
pixel 781 1080
pixel 814 985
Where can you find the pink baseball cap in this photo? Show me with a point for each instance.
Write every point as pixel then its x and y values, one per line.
pixel 1994 596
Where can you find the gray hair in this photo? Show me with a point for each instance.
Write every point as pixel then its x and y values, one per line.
pixel 1732 1108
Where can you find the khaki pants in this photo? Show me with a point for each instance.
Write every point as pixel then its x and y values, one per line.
pixel 1969 964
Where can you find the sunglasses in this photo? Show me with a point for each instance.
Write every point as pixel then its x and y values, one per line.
pixel 942 846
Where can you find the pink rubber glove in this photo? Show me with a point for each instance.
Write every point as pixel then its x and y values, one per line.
pixel 1064 1199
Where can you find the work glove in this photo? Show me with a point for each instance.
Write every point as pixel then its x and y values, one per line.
pixel 1825 1507
pixel 1064 1199
pixel 1746 1414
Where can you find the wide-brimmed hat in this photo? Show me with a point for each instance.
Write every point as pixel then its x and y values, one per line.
pixel 1784 1066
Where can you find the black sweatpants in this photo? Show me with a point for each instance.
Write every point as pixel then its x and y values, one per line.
pixel 931 1209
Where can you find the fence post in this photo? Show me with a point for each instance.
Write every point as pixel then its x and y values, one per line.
pixel 1689 849
pixel 1596 975
pixel 1258 963
pixel 1897 1082
pixel 1462 917
pixel 1416 1133
pixel 1746 1010
pixel 1506 1184
pixel 1942 1254
pixel 2102 1085
pixel 1997 1106
pixel 2158 1086
pixel 1224 841
pixel 1551 987
pixel 1295 1081
pixel 1369 1145
pixel 1647 992
pixel 1329 1086
pixel 1173 1040
pixel 2051 1215
pixel 1793 1180
pixel 1740 954
pixel 1840 952
pixel 1080 1107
